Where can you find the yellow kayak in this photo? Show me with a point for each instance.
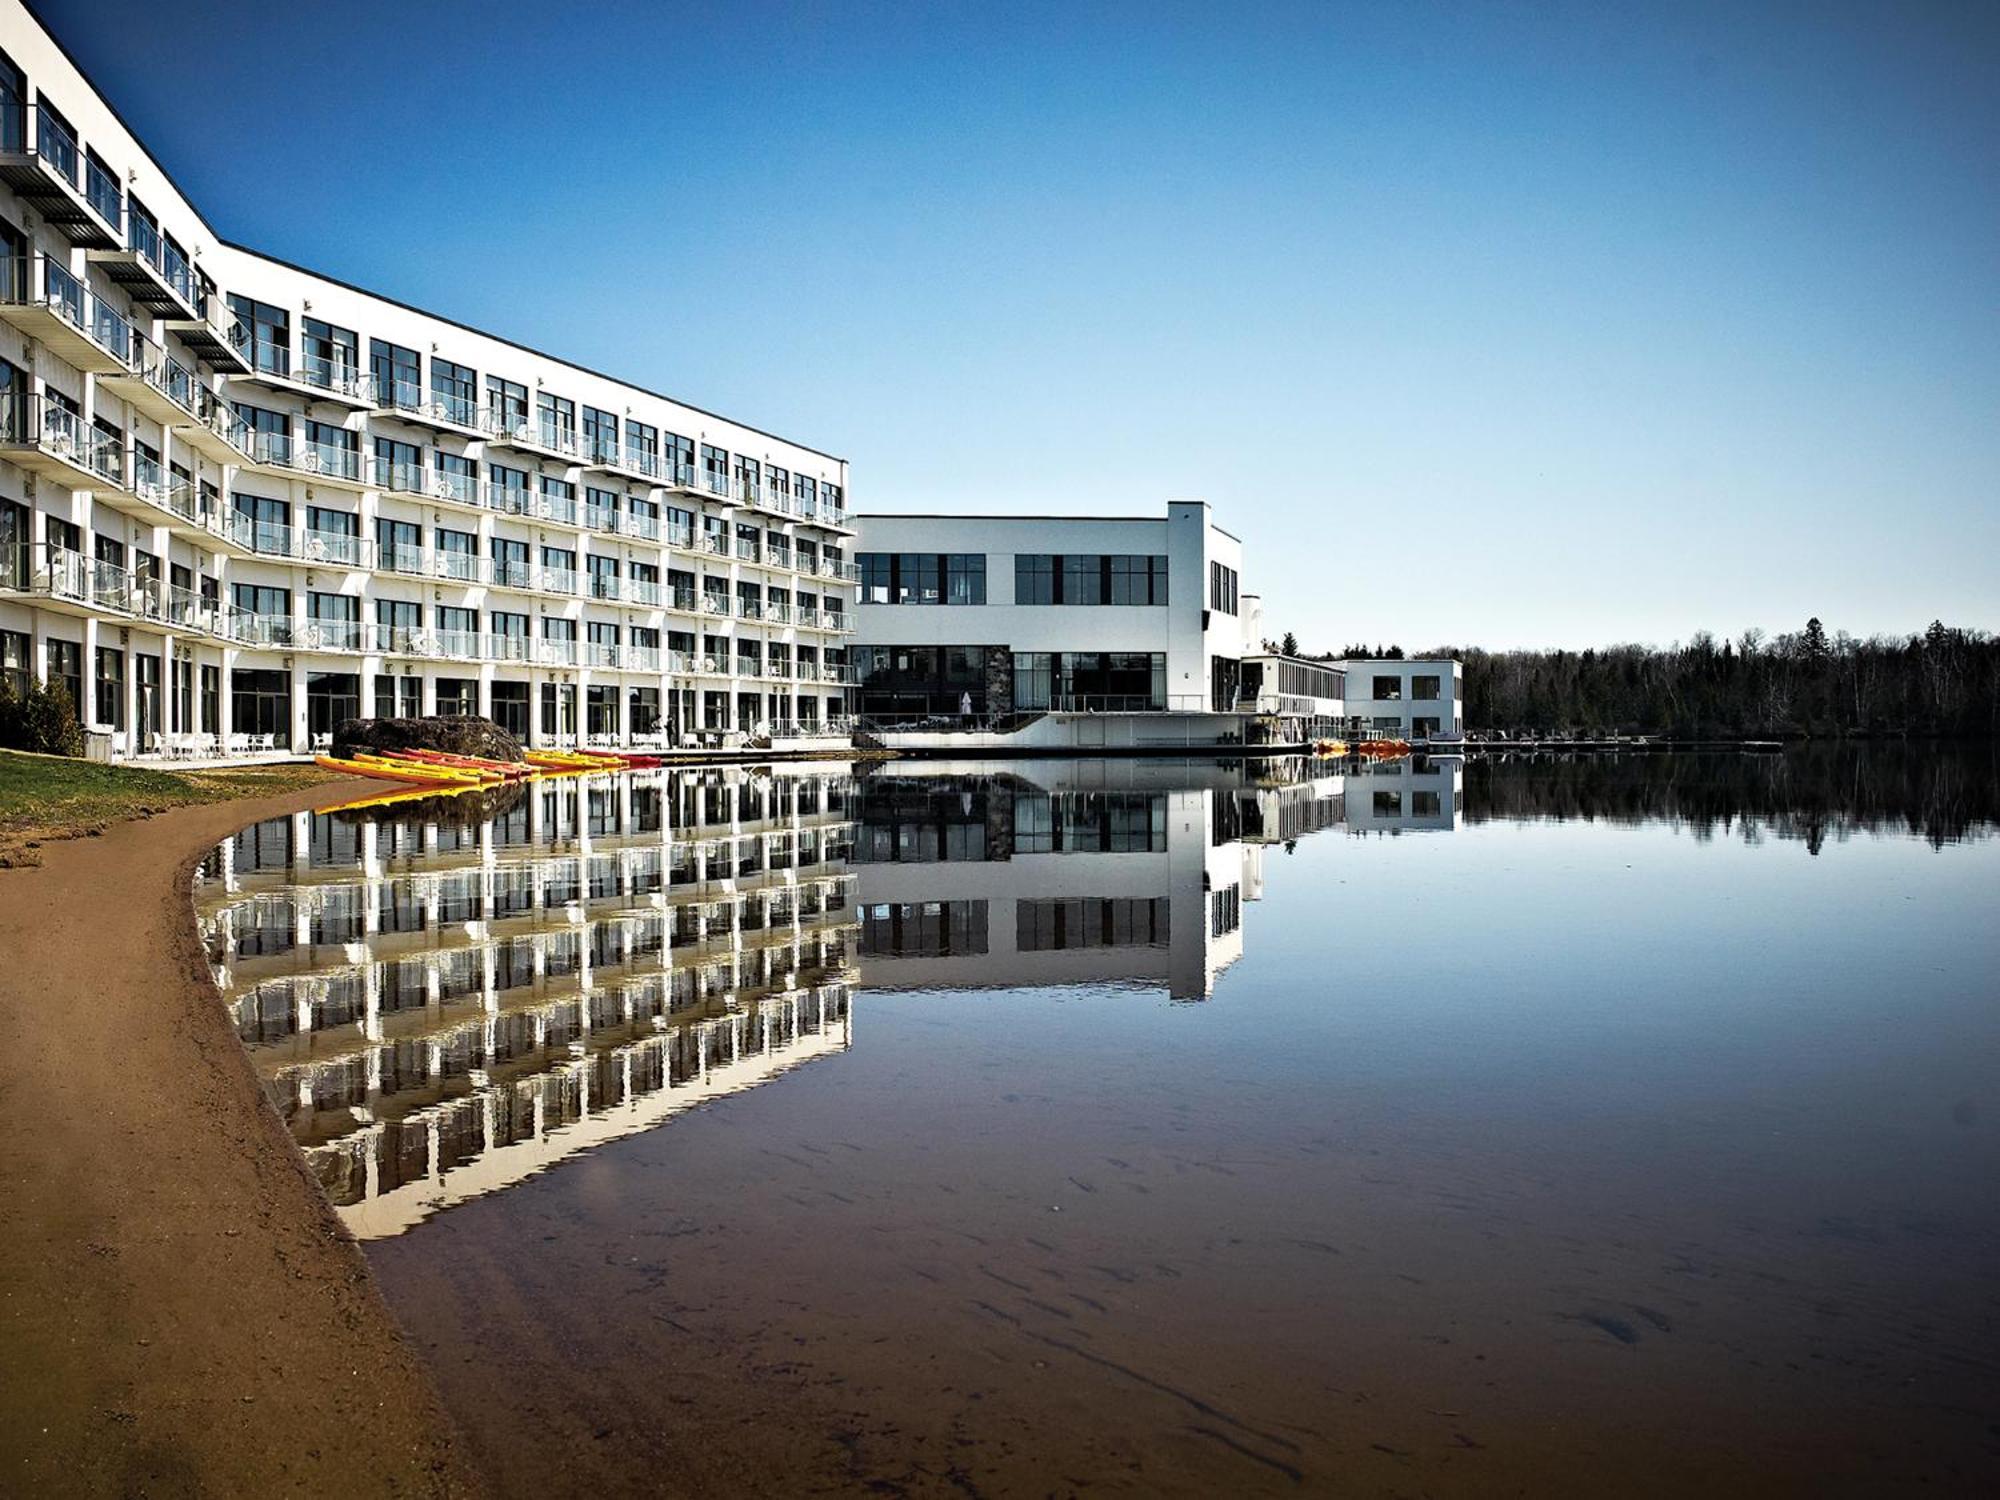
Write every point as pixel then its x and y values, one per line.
pixel 569 760
pixel 417 770
pixel 382 770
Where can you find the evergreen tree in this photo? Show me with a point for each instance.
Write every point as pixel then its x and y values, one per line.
pixel 1289 645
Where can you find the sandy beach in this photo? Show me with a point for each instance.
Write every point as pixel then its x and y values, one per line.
pixel 181 1311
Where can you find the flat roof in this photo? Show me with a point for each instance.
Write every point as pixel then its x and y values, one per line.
pixel 499 338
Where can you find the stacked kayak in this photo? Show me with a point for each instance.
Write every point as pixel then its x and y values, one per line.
pixel 506 770
pixel 573 760
pixel 399 768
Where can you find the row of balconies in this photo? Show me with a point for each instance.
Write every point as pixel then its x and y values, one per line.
pixel 41 296
pixel 59 573
pixel 49 437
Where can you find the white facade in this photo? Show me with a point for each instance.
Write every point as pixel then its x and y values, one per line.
pixel 1029 612
pixel 1413 700
pixel 239 500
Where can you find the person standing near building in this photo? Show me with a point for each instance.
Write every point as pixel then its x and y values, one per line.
pixel 965 709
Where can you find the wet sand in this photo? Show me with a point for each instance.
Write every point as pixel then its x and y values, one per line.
pixel 180 1310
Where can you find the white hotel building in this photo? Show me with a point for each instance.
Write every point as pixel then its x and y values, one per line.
pixel 1094 615
pixel 240 501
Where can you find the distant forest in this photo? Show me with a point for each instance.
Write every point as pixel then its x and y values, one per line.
pixel 1943 682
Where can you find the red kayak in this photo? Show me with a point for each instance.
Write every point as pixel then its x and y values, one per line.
pixel 505 768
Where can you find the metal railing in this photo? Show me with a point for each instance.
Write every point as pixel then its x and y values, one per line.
pixel 328 459
pixel 337 376
pixel 42 281
pixel 167 262
pixel 37 422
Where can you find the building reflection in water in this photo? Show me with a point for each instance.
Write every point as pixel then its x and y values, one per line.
pixel 1019 873
pixel 441 1008
pixel 446 1001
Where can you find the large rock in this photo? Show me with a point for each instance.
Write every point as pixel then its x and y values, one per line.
pixel 454 736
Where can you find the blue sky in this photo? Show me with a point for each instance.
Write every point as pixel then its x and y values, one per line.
pixel 1503 324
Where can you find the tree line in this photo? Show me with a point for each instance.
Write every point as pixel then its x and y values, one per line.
pixel 1945 681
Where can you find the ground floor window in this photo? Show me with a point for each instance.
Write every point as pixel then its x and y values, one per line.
pixel 600 710
pixel 260 702
pixel 211 700
pixel 748 711
pixel 457 697
pixel 1091 681
pixel 14 668
pixel 146 698
pixel 183 696
pixel 110 688
pixel 919 682
pixel 1423 727
pixel 558 710
pixel 715 710
pixel 66 671
pixel 331 698
pixel 510 708
pixel 645 710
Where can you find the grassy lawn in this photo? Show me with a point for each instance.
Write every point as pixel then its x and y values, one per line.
pixel 46 797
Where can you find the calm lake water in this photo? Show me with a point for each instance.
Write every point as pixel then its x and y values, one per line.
pixel 1578 1126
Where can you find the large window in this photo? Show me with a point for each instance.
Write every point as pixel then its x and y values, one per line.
pixel 110 688
pixel 965 578
pixel 398 373
pixel 456 390
pixel 876 568
pixel 270 332
pixel 1426 689
pixel 1221 589
pixel 1088 578
pixel 506 407
pixel 916 580
pixel 1387 689
pixel 332 356
pixel 1034 578
pixel 1137 579
pixel 260 702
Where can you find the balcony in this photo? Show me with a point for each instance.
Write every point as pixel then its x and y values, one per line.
pixel 315 377
pixel 560 509
pixel 642 591
pixel 846 572
pixel 40 297
pixel 606 586
pixel 509 500
pixel 601 517
pixel 211 331
pixel 602 654
pixel 749 609
pixel 714 543
pixel 645 464
pixel 53 441
pixel 329 463
pixel 678 476
pixel 647 527
pixel 555 653
pixel 435 409
pixel 778 614
pixel 419 479
pixel 642 658
pixel 86 585
pixel 715 604
pixel 682 601
pixel 329 635
pixel 558 581
pixel 41 161
pixel 746 549
pixel 457 567
pixel 510 648
pixel 153 273
pixel 163 388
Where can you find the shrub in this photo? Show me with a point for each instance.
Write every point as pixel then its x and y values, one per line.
pixel 43 719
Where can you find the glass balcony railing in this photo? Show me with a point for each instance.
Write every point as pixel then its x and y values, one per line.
pixel 273 449
pixel 642 461
pixel 606 586
pixel 642 591
pixel 558 580
pixel 715 604
pixel 455 407
pixel 342 547
pixel 338 376
pixel 642 526
pixel 167 262
pixel 460 567
pixel 399 557
pixel 330 635
pixel 401 478
pixel 42 281
pixel 509 500
pixel 510 574
pixel 330 459
pixel 601 517
pixel 682 600
pixel 559 508
pixel 447 485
